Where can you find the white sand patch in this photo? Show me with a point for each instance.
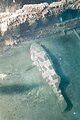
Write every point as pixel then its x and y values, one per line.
pixel 2 76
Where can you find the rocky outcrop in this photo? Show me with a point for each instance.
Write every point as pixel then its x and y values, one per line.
pixel 33 12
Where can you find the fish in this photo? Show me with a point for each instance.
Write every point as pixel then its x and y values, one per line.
pixel 42 60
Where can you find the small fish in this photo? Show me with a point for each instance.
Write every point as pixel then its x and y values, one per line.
pixel 2 76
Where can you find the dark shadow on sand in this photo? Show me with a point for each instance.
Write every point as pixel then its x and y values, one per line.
pixel 16 88
pixel 64 81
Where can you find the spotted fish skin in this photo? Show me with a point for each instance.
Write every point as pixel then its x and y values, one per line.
pixel 42 60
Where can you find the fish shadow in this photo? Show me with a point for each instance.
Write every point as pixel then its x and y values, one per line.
pixel 16 88
pixel 64 80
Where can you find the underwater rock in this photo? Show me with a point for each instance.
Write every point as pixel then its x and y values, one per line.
pixel 9 42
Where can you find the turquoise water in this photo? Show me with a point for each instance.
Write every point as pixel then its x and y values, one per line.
pixel 24 94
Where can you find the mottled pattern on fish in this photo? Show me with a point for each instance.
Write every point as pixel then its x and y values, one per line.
pixel 40 58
